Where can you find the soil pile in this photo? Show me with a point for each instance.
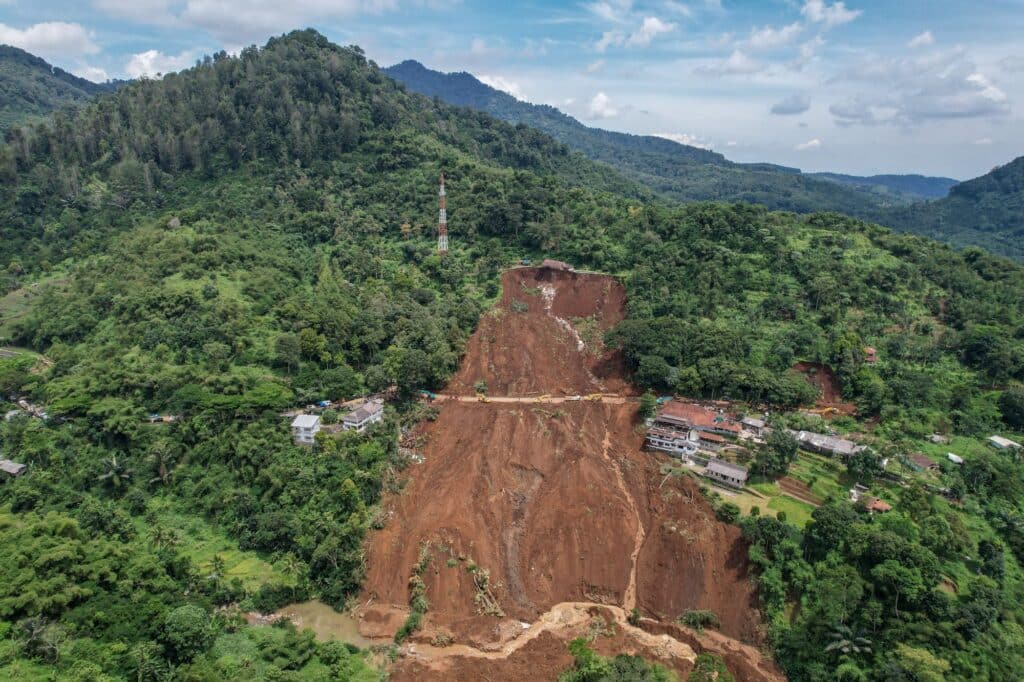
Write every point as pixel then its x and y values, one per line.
pixel 824 379
pixel 523 517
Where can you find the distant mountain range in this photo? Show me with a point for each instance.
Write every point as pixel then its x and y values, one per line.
pixel 31 88
pixel 678 170
pixel 987 211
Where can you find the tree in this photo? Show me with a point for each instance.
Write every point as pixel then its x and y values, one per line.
pixel 919 665
pixel 845 641
pixel 115 475
pixel 728 512
pixel 775 456
pixel 288 351
pixel 864 466
pixel 162 457
pixel 186 633
pixel 648 405
pixel 1011 405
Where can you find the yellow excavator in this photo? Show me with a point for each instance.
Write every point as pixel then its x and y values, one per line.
pixel 482 397
pixel 542 399
pixel 595 397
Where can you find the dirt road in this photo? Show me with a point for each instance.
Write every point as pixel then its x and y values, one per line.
pixel 558 505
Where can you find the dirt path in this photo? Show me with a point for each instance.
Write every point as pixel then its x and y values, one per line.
pixel 607 399
pixel 559 618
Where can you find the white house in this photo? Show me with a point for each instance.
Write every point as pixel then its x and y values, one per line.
pixel 368 413
pixel 304 428
pixel 955 459
pixel 732 475
pixel 680 443
pixel 1002 443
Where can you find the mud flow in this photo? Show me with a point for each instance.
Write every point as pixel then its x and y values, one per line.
pixel 536 518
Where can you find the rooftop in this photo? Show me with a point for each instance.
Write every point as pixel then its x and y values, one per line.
pixel 877 505
pixel 305 421
pixel 833 443
pixel 720 466
pixel 754 422
pixel 697 416
pixel 13 468
pixel 1003 442
pixel 364 411
pixel 922 461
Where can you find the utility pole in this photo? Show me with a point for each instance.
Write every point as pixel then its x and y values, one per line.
pixel 442 221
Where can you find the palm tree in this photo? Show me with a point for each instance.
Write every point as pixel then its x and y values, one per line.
pixel 217 568
pixel 163 537
pixel 162 457
pixel 115 474
pixel 846 641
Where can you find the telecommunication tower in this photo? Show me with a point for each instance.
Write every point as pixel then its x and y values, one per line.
pixel 442 221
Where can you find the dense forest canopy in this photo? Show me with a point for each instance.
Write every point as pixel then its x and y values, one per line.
pixel 257 233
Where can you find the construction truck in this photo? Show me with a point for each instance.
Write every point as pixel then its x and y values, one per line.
pixel 427 395
pixel 595 397
pixel 482 397
pixel 542 399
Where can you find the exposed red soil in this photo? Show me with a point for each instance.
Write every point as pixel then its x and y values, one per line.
pixel 558 503
pixel 824 379
pixel 535 350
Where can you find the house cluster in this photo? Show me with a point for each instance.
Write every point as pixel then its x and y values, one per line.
pixel 306 426
pixel 692 431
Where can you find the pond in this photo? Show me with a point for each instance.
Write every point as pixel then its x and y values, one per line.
pixel 327 623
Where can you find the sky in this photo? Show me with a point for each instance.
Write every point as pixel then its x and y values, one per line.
pixel 855 86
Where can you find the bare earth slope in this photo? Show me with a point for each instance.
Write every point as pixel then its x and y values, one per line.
pixel 559 505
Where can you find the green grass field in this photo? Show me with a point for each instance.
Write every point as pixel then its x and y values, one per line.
pixel 201 541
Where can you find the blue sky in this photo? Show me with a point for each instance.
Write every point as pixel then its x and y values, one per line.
pixel 861 86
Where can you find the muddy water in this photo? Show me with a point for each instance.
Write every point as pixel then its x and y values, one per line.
pixel 327 623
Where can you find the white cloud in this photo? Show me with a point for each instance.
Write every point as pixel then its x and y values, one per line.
pixel 809 145
pixel 609 38
pixel 601 107
pixel 611 10
pixel 796 103
pixel 91 73
pixel 686 138
pixel 254 20
pixel 152 62
pixel 737 63
pixel 51 39
pixel 503 84
pixel 921 40
pixel 836 14
pixel 983 141
pixel 910 90
pixel 594 67
pixel 808 51
pixel 679 8
pixel 650 28
pixel 769 36
pixel 1012 64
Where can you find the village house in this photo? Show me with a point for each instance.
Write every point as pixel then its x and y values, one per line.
pixel 827 445
pixel 304 428
pixel 732 475
pixel 955 459
pixel 922 463
pixel 1001 443
pixel 12 469
pixel 938 438
pixel 679 443
pixel 870 354
pixel 758 427
pixel 710 441
pixel 368 413
pixel 689 416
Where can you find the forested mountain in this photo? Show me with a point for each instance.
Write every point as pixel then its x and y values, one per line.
pixel 679 171
pixel 31 88
pixel 909 186
pixel 987 211
pixel 257 233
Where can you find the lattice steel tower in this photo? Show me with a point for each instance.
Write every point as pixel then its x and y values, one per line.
pixel 442 221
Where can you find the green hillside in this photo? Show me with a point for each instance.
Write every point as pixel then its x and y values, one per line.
pixel 987 211
pixel 257 233
pixel 679 171
pixel 30 88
